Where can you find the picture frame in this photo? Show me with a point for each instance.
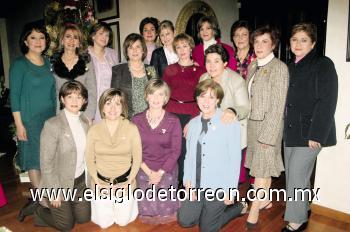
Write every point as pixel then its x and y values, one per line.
pixel 106 9
pixel 116 39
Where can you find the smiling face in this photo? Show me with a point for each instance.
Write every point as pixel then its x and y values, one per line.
pixel 35 42
pixel 206 32
pixel 112 109
pixel 157 99
pixel 207 103
pixel 149 33
pixel 263 45
pixel 101 38
pixel 214 65
pixel 135 51
pixel 73 102
pixel 183 50
pixel 167 37
pixel 301 44
pixel 241 38
pixel 70 40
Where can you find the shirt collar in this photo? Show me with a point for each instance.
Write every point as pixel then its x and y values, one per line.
pixel 266 60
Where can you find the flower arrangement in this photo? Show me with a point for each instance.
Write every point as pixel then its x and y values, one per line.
pixel 61 12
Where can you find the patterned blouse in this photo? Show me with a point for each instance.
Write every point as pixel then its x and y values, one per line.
pixel 242 68
pixel 139 103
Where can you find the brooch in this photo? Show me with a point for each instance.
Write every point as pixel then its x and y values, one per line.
pixel 163 131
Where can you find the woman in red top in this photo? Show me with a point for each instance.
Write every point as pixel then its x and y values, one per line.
pixel 209 34
pixel 182 78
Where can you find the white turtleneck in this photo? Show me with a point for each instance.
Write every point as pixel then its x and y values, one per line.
pixel 208 43
pixel 261 62
pixel 266 60
pixel 79 137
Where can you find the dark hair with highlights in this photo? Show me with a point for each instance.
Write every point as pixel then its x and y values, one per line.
pixel 95 28
pixel 108 95
pixel 27 30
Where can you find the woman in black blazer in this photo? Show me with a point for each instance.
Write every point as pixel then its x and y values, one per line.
pixel 132 77
pixel 164 56
pixel 309 118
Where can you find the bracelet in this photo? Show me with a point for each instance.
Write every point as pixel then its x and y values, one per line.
pixel 233 110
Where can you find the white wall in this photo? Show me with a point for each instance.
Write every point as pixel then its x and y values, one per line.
pixel 333 164
pixel 133 11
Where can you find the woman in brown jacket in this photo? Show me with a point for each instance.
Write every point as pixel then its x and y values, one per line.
pixel 267 83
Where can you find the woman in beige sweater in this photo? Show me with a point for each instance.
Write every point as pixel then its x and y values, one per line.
pixel 113 156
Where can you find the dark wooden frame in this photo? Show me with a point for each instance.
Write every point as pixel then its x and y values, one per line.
pixel 111 14
pixel 116 39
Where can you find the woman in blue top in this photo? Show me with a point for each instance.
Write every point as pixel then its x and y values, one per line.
pixel 212 162
pixel 33 100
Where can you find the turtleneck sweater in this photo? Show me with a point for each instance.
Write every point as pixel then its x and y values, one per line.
pixel 79 137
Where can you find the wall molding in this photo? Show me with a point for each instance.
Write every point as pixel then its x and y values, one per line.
pixel 330 213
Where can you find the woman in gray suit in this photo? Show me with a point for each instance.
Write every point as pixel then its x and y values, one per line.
pixel 71 62
pixel 267 83
pixel 62 148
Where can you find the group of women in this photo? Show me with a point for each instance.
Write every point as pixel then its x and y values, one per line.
pixel 177 115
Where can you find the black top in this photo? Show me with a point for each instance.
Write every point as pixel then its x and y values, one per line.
pixel 311 102
pixel 159 61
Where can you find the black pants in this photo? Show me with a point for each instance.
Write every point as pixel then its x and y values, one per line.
pixel 210 215
pixel 184 119
pixel 70 212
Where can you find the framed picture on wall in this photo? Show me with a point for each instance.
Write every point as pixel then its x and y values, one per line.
pixel 116 38
pixel 106 9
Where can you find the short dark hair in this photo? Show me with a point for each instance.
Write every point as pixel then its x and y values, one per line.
pixel 212 22
pixel 272 31
pixel 147 20
pixel 27 30
pixel 97 27
pixel 203 87
pixel 218 49
pixel 309 28
pixel 239 24
pixel 130 40
pixel 109 94
pixel 70 87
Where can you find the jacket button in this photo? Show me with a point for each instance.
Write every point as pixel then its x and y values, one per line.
pixel 290 125
pixel 290 105
pixel 203 154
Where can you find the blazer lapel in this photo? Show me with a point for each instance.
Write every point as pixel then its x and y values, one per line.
pixel 66 130
pixel 251 71
pixel 85 122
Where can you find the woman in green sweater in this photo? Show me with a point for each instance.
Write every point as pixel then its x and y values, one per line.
pixel 33 100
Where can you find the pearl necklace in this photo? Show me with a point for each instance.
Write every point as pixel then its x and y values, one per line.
pixel 154 121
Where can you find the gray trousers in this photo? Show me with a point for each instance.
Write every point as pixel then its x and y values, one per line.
pixel 210 215
pixel 299 163
pixel 70 212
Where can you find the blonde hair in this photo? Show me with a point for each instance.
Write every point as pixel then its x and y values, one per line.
pixel 155 84
pixel 76 29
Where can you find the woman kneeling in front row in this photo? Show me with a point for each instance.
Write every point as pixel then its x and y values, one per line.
pixel 212 161
pixel 62 147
